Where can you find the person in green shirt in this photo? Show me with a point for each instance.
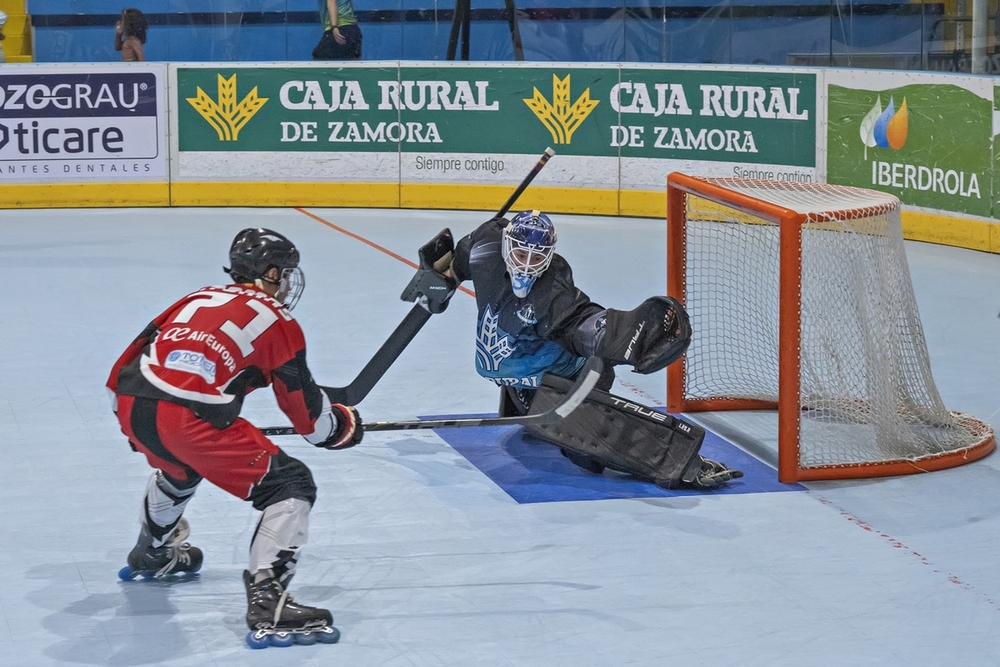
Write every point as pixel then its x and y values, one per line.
pixel 341 35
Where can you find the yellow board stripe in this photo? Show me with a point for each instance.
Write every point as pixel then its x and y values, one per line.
pixel 951 230
pixel 362 195
pixel 77 195
pixel 491 197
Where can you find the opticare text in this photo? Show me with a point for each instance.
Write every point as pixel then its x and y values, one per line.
pixel 32 139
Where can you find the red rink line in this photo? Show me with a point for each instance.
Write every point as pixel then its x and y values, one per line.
pixel 896 544
pixel 638 392
pixel 372 244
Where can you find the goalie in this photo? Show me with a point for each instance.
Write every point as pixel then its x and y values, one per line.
pixel 534 321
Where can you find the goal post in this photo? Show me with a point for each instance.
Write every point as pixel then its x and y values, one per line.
pixel 801 301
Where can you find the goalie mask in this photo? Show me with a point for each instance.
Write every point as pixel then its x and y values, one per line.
pixel 529 241
pixel 254 252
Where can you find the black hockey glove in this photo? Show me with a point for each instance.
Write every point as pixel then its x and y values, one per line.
pixel 430 287
pixel 349 431
pixel 650 337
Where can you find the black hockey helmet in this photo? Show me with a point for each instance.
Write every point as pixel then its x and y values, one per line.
pixel 254 252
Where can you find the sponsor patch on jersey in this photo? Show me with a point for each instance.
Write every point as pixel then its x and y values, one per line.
pixel 195 363
pixel 527 314
pixel 531 381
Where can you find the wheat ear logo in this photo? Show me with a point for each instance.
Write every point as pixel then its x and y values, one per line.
pixel 560 117
pixel 226 116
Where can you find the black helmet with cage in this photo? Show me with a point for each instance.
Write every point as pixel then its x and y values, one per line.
pixel 255 251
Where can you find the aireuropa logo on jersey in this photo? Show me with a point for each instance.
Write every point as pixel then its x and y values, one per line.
pixel 89 125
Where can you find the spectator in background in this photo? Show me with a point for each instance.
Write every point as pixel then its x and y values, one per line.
pixel 341 35
pixel 130 35
pixel 3 21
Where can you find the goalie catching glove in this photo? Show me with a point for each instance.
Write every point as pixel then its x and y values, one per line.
pixel 649 338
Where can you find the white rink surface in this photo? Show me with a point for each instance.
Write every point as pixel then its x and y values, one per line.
pixel 421 558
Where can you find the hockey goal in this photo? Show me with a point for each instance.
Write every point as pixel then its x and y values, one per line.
pixel 801 301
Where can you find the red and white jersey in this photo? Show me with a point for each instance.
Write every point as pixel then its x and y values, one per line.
pixel 214 346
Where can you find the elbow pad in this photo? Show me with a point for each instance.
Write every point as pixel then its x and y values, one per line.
pixel 588 336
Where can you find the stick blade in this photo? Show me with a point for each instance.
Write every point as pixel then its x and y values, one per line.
pixel 586 380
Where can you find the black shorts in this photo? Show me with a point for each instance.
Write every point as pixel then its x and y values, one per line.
pixel 329 49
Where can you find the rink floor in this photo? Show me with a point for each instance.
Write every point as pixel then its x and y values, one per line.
pixel 436 548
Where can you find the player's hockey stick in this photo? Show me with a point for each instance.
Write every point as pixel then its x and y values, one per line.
pixel 587 378
pixel 373 371
pixel 414 321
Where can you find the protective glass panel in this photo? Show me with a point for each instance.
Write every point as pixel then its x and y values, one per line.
pixel 948 36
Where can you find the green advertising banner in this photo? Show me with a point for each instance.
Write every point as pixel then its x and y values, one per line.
pixel 478 110
pixel 713 115
pixel 763 118
pixel 516 110
pixel 996 154
pixel 927 143
pixel 419 124
pixel 286 109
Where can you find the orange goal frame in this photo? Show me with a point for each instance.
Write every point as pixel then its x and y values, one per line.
pixel 788 405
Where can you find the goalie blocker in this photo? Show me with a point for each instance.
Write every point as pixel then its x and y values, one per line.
pixel 430 287
pixel 622 435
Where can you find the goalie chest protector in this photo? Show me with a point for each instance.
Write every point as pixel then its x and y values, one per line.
pixel 621 434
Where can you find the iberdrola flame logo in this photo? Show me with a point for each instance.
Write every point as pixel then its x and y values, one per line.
pixel 885 129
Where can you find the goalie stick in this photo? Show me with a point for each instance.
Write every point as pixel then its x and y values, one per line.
pixel 586 379
pixel 414 321
pixel 526 182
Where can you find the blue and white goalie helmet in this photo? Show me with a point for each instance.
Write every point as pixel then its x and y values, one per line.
pixel 529 241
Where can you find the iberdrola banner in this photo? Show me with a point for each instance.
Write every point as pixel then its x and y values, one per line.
pixel 924 138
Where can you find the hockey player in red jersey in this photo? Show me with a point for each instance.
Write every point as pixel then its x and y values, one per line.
pixel 178 390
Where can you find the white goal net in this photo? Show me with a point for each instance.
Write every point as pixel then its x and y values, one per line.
pixel 773 266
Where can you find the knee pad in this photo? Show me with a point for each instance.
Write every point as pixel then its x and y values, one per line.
pixel 287 478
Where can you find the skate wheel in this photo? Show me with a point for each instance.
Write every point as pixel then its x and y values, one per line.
pixel 328 635
pixel 282 639
pixel 258 639
pixel 127 573
pixel 305 638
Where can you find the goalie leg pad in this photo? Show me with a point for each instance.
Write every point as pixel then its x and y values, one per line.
pixel 622 435
pixel 650 337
